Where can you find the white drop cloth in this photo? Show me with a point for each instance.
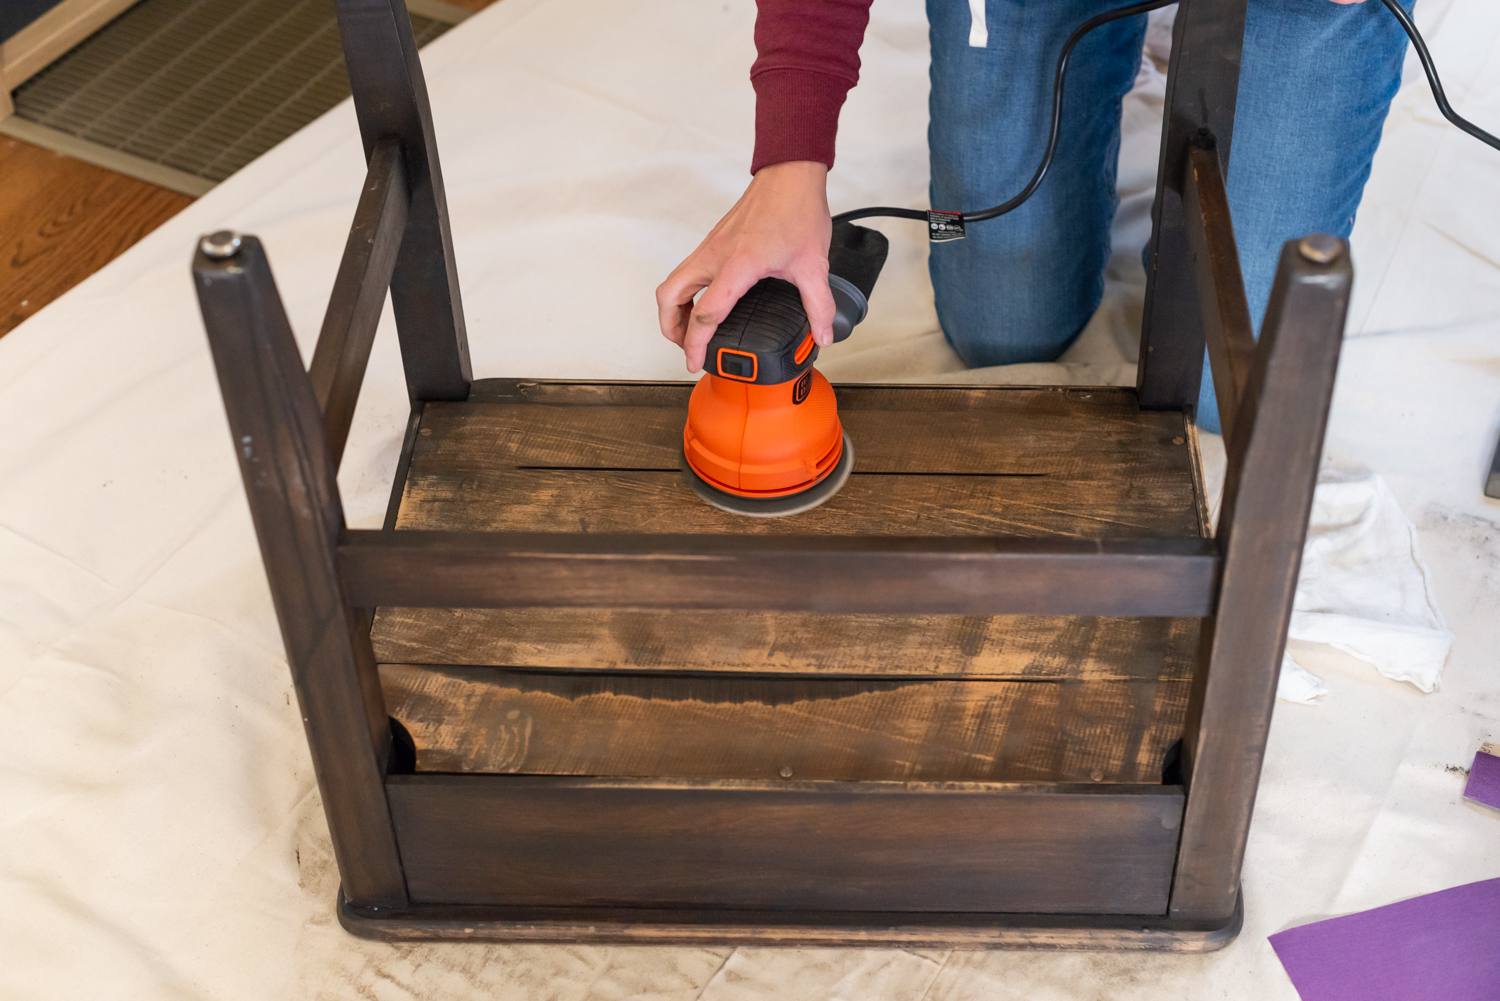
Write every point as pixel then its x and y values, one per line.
pixel 160 834
pixel 1363 587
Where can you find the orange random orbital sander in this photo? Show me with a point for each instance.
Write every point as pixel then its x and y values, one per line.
pixel 763 436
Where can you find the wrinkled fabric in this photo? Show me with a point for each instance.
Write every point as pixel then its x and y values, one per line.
pixel 161 835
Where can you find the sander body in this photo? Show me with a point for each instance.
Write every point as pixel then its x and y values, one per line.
pixel 763 435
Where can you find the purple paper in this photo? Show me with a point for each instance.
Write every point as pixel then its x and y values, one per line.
pixel 1444 946
pixel 1484 779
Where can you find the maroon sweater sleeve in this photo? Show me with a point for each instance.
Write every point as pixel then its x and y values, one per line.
pixel 807 59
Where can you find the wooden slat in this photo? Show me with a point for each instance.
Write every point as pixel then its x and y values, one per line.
pixel 842 846
pixel 1162 577
pixel 1027 462
pixel 476 719
pixel 791 643
pixel 570 456
pixel 343 351
pixel 1221 288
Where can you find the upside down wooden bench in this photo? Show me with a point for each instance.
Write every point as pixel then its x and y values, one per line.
pixel 1007 688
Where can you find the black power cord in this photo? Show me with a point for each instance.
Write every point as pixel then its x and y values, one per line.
pixel 937 221
pixel 1438 94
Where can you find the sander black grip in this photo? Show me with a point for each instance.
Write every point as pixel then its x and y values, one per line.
pixel 765 339
pixel 856 254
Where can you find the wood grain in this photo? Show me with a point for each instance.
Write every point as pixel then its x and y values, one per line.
pixel 528 453
pixel 917 575
pixel 475 719
pixel 62 219
pixel 792 643
pixel 490 839
pixel 1027 462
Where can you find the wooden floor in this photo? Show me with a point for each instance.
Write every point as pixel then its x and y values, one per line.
pixel 714 696
pixel 61 220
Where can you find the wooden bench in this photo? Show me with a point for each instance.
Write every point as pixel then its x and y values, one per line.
pixel 1007 688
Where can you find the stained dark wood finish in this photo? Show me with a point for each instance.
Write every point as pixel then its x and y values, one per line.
pixel 479 719
pixel 1165 577
pixel 1019 462
pixel 1221 289
pixel 862 929
pixel 61 220
pixel 535 458
pixel 277 432
pixel 343 351
pixel 792 643
pixel 484 839
pixel 1202 85
pixel 390 92
pixel 1268 491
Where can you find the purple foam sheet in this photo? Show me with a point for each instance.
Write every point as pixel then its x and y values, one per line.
pixel 1484 778
pixel 1444 946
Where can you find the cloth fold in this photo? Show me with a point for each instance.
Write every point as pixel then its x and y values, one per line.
pixel 1364 588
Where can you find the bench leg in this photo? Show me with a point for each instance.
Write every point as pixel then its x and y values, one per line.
pixel 1268 491
pixel 284 459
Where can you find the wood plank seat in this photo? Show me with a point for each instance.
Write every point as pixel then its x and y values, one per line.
pixel 1026 698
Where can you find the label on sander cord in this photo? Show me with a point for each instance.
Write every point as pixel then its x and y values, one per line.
pixel 944 226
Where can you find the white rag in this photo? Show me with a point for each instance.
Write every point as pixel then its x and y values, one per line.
pixel 1363 588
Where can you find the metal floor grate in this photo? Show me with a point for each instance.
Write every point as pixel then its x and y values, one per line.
pixel 197 88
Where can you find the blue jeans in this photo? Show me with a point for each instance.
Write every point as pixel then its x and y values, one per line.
pixel 1316 81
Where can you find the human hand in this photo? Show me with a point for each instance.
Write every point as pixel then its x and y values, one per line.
pixel 779 228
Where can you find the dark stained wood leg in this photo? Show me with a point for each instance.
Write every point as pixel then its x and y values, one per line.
pixel 1202 87
pixel 277 432
pixel 1272 471
pixel 390 99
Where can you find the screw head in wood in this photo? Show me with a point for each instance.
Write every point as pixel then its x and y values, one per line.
pixel 786 771
pixel 1320 248
pixel 220 245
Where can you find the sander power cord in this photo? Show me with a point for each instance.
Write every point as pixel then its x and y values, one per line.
pixel 943 222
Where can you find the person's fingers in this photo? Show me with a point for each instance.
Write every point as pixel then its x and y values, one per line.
pixel 712 307
pixel 817 300
pixel 674 301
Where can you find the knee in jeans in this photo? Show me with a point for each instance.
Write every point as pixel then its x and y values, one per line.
pixel 996 328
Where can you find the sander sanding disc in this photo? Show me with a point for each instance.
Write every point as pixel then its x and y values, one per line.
pixel 778 507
